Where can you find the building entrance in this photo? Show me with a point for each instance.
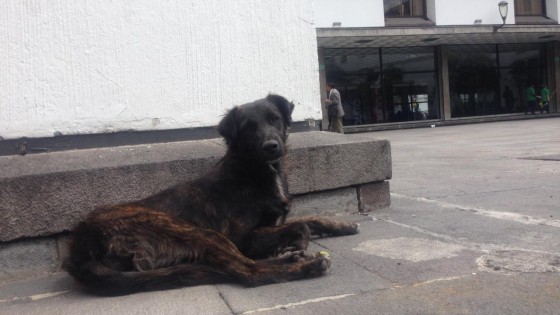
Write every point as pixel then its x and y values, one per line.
pixel 385 85
pixel 410 101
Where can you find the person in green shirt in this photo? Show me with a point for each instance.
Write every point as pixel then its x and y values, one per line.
pixel 531 99
pixel 545 99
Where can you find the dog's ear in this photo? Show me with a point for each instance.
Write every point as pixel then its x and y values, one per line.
pixel 228 126
pixel 284 106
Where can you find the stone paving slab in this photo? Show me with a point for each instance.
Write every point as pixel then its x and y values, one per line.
pixel 542 202
pixel 402 255
pixel 194 300
pixel 474 227
pixel 477 294
pixel 55 282
pixel 344 277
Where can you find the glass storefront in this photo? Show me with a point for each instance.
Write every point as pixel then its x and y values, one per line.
pixel 410 84
pixel 356 73
pixel 520 65
pixel 492 79
pixel 473 80
pixel 385 85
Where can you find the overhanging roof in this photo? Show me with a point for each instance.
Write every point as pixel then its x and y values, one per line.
pixel 339 37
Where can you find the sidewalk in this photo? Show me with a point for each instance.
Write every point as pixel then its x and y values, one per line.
pixel 474 228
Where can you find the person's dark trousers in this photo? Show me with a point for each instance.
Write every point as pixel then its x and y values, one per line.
pixel 545 108
pixel 531 107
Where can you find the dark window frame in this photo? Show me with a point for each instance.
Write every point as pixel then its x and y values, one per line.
pixel 543 4
pixel 423 15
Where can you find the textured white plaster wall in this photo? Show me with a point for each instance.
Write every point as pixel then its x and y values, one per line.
pixel 99 65
pixel 351 13
pixel 465 12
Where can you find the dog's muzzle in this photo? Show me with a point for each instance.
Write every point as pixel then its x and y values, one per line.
pixel 272 149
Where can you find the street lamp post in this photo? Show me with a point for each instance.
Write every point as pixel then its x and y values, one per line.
pixel 503 8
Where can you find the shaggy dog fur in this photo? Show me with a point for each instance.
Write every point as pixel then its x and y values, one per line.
pixel 226 226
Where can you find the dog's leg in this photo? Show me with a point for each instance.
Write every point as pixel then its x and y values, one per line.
pixel 294 236
pixel 179 256
pixel 222 254
pixel 325 227
pixel 178 244
pixel 276 240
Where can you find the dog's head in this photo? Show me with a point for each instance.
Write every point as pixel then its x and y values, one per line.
pixel 258 130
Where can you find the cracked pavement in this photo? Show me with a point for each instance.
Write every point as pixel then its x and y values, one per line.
pixel 473 229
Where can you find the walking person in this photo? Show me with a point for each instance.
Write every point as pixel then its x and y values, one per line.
pixel 334 109
pixel 531 99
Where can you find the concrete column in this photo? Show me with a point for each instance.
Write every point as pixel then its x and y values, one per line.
pixel 552 9
pixel 445 104
pixel 323 87
pixel 553 53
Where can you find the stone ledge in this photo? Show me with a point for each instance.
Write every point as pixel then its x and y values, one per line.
pixel 46 194
pixel 322 160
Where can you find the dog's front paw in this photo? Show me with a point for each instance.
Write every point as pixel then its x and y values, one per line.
pixel 322 262
pixel 294 256
pixel 315 265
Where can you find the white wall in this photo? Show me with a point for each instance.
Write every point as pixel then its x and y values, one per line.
pixel 351 13
pixel 100 66
pixel 465 12
pixel 370 13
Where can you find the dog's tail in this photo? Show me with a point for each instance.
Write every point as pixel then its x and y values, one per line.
pixel 99 279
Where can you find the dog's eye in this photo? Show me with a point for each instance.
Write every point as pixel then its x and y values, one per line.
pixel 274 119
pixel 249 126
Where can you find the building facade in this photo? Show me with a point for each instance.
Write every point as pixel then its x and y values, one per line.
pixel 414 61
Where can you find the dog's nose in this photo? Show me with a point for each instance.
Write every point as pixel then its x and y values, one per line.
pixel 270 146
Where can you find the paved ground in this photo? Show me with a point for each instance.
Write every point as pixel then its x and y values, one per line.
pixel 473 229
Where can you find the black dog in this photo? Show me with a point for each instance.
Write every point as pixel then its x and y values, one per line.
pixel 227 226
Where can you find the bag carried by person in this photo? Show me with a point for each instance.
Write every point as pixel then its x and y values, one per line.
pixel 332 110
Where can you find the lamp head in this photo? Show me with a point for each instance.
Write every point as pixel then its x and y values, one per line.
pixel 503 7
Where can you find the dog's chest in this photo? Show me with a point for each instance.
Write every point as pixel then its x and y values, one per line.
pixel 281 193
pixel 280 188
